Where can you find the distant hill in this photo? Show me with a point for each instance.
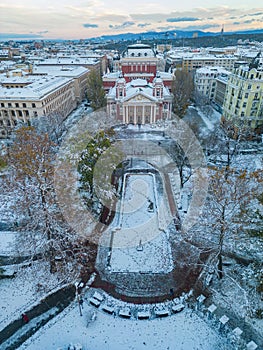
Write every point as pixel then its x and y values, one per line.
pixel 172 34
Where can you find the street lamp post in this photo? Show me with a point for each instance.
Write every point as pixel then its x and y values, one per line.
pixel 78 296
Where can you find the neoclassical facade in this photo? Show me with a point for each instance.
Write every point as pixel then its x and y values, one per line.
pixel 138 94
pixel 139 102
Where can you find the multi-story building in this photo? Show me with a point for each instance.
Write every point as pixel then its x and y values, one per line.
pixel 205 80
pixel 194 62
pixel 243 104
pixel 90 63
pixel 221 84
pixel 139 102
pixel 24 98
pixel 139 94
pixel 78 74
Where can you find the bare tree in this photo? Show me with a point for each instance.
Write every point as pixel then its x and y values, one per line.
pixel 95 91
pixel 182 90
pixel 43 231
pixel 232 194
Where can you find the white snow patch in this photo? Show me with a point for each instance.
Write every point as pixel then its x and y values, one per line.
pixel 183 331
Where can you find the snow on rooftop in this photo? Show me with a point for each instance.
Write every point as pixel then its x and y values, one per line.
pixel 139 82
pixel 60 70
pixel 112 75
pixel 210 70
pixel 37 89
pixel 69 61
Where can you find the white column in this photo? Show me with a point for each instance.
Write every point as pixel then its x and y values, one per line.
pixel 143 115
pixel 154 114
pixel 123 114
pixel 134 115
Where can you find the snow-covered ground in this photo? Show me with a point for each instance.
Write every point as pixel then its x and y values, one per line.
pixel 183 331
pixel 138 243
pixel 211 121
pixel 7 243
pixel 7 213
pixel 24 290
pixel 96 330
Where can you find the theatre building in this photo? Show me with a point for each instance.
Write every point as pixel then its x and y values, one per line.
pixel 138 94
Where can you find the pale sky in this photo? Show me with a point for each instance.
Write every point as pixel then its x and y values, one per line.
pixel 80 19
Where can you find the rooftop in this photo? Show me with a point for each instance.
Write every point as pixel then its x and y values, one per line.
pixel 37 88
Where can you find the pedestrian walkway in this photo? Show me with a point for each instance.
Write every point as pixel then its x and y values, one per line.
pixel 13 335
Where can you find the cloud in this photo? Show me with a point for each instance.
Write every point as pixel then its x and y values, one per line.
pixel 90 25
pixel 236 23
pixel 256 14
pixel 122 26
pixel 43 32
pixel 248 21
pixel 111 17
pixel 142 25
pixel 183 19
pixel 19 36
pixel 201 27
pixel 217 13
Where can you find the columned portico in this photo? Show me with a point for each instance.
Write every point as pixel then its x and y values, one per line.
pixel 139 113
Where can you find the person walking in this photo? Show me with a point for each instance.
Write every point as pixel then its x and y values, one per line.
pixel 25 318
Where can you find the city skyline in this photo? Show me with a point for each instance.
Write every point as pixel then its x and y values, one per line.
pixel 78 19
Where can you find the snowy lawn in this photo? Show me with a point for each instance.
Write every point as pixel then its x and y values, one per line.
pixel 20 293
pixel 7 243
pixel 138 244
pixel 182 331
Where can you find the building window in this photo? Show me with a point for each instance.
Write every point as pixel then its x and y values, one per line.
pixel 2 104
pixel 33 105
pixel 24 105
pixel 17 105
pixel 9 104
pixel 244 104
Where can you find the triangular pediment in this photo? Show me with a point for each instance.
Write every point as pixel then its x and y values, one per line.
pixel 139 97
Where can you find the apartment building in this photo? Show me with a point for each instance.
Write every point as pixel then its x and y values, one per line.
pixel 243 104
pixel 221 85
pixel 205 80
